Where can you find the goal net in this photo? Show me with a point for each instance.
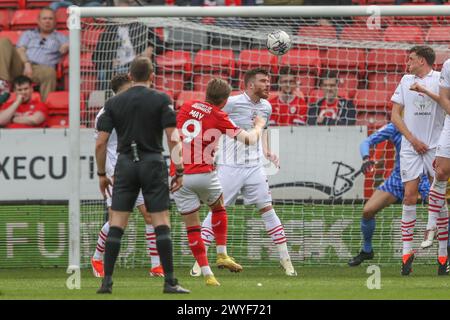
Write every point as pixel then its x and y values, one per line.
pixel 351 63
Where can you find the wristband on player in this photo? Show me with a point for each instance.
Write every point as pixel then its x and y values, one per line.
pixel 179 172
pixel 101 174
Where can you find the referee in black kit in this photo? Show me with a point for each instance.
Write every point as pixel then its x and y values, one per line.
pixel 139 116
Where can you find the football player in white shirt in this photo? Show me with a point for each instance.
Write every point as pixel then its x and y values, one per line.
pixel 121 83
pixel 421 126
pixel 240 167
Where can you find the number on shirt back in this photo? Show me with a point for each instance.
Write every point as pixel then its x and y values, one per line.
pixel 188 136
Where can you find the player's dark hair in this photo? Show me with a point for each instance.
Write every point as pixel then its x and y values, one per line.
pixel 425 52
pixel 141 68
pixel 20 80
pixel 251 74
pixel 118 81
pixel 218 91
pixel 329 74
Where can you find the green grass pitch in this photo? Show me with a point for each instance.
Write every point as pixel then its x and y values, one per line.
pixel 324 282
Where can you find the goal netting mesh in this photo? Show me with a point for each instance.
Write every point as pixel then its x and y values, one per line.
pixel 319 192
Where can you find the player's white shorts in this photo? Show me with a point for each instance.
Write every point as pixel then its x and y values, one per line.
pixel 250 181
pixel 139 199
pixel 203 187
pixel 443 146
pixel 413 165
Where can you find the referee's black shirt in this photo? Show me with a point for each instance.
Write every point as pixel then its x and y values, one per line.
pixel 140 114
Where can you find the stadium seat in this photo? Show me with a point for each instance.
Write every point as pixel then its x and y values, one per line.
pixel 89 38
pixel 328 32
pixel 187 96
pixel 373 120
pixel 253 58
pixel 384 81
pixel 174 69
pixel 61 18
pixel 350 60
pixel 410 34
pixel 357 33
pixel 387 60
pixel 217 61
pixel 25 19
pixel 373 100
pixel 4 19
pixel 306 63
pixel 88 83
pixel 38 3
pixel 441 57
pixel 11 35
pixel 438 34
pixel 13 4
pixel 58 103
pixel 385 21
pixel 58 121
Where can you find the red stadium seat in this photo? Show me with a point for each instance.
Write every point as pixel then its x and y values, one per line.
pixel 11 35
pixel 373 100
pixel 4 19
pixel 89 38
pixel 58 103
pixel 372 120
pixel 189 95
pixel 13 4
pixel 357 33
pixel 25 19
pixel 254 58
pixel 387 60
pixel 201 80
pixel 410 34
pixel 441 57
pixel 216 61
pixel 361 21
pixel 438 34
pixel 306 63
pixel 384 81
pixel 328 32
pixel 344 59
pixel 61 18
pixel 175 61
pixel 174 69
pixel 58 121
pixel 38 3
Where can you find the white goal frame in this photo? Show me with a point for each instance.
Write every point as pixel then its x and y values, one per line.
pixel 74 24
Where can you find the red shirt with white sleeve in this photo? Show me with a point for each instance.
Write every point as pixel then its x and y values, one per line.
pixel 201 125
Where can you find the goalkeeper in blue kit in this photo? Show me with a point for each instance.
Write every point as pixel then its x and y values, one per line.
pixel 391 191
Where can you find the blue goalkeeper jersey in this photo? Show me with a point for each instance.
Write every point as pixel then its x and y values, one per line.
pixel 388 132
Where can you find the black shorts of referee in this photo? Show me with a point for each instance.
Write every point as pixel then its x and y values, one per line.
pixel 149 174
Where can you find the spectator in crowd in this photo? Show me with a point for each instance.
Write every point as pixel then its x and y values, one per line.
pixel 37 54
pixel 118 45
pixel 289 106
pixel 331 109
pixel 81 3
pixel 24 112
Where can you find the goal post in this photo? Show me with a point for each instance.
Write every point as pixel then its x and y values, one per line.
pixel 318 211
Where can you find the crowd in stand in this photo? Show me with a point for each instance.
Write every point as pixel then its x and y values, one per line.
pixel 32 63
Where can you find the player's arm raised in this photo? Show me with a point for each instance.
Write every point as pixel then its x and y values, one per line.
pixel 418 88
pixel 397 120
pixel 252 136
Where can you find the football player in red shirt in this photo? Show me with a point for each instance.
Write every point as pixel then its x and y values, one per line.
pixel 201 124
pixel 24 112
pixel 289 107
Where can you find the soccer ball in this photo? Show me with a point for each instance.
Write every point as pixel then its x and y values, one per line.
pixel 278 42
